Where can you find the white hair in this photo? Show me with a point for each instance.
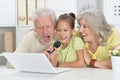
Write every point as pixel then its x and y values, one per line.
pixel 97 23
pixel 43 12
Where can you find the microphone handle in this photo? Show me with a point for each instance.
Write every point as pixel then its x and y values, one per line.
pixel 50 52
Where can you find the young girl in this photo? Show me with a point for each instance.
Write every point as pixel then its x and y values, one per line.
pixel 70 53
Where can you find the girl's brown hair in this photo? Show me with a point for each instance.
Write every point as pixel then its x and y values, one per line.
pixel 70 18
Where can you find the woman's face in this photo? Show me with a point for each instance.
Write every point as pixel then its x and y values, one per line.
pixel 64 31
pixel 87 34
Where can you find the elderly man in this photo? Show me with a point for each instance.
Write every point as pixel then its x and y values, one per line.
pixel 43 34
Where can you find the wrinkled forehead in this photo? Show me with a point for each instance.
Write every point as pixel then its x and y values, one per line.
pixel 44 19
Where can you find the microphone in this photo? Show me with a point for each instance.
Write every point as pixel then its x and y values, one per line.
pixel 55 45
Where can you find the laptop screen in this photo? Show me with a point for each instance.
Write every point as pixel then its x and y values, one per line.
pixel 30 62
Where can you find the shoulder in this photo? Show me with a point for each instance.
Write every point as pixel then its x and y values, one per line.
pixel 77 43
pixel 115 31
pixel 115 34
pixel 29 37
pixel 28 43
pixel 30 34
pixel 76 33
pixel 77 39
pixel 114 38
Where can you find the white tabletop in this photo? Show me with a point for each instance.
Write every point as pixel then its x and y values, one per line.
pixel 73 74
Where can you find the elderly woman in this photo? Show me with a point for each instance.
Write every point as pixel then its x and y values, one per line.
pixel 99 38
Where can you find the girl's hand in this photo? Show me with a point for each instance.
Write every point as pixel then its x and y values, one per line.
pixel 54 58
pixel 47 54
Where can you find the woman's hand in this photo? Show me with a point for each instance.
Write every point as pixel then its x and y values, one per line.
pixel 105 64
pixel 87 57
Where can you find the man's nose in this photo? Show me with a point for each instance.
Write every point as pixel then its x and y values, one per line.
pixel 44 30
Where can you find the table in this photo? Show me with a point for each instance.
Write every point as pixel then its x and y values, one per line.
pixel 73 74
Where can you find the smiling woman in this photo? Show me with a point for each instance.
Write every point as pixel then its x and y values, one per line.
pixel 99 37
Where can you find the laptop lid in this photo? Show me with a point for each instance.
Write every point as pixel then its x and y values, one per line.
pixel 32 62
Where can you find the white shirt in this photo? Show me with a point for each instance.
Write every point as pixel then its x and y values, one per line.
pixel 31 43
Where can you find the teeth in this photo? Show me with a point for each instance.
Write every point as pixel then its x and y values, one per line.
pixel 63 38
pixel 83 34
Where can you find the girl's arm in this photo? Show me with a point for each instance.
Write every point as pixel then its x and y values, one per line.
pixel 76 64
pixel 54 58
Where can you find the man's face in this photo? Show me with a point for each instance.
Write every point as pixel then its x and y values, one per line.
pixel 44 27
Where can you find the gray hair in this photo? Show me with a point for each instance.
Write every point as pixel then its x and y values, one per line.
pixel 44 12
pixel 97 22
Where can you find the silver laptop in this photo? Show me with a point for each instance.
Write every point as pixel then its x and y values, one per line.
pixel 32 62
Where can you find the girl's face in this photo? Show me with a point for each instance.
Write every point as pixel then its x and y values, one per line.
pixel 64 31
pixel 86 33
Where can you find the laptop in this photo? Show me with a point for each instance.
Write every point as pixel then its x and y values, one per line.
pixel 32 62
